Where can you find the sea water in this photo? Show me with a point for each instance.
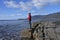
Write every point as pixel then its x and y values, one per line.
pixel 12 28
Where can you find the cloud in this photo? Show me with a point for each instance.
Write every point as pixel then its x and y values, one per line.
pixel 28 5
pixel 11 4
pixel 11 15
pixel 18 14
pixel 38 3
pixel 42 3
pixel 24 6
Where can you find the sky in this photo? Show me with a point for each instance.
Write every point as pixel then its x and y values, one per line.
pixel 15 9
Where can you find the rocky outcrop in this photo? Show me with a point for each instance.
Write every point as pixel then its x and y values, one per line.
pixel 50 30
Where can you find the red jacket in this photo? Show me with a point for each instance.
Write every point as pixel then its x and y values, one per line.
pixel 29 16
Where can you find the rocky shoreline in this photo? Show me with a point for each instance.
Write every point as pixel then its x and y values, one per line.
pixel 49 27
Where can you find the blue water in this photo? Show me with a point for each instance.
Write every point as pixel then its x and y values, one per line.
pixel 11 27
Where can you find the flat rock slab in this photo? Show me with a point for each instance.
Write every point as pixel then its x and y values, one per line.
pixel 26 33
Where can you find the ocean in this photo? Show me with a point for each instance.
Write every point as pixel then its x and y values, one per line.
pixel 12 27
